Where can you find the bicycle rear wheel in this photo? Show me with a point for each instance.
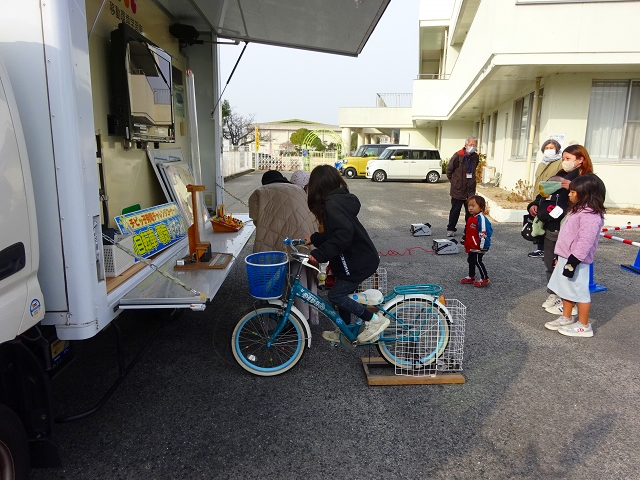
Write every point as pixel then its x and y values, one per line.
pixel 250 337
pixel 417 336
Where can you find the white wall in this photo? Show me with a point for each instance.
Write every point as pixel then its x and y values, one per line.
pixel 454 136
pixel 435 10
pixel 510 34
pixel 419 137
pixel 564 111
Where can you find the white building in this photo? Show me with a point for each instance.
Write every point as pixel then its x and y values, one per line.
pixel 481 62
pixel 279 133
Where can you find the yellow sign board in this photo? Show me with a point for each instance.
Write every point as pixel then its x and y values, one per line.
pixel 257 139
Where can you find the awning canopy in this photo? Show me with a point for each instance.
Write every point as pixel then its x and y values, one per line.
pixel 332 26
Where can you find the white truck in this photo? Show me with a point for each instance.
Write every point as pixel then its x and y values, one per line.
pixel 96 97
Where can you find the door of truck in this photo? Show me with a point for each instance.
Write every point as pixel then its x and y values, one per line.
pixel 21 303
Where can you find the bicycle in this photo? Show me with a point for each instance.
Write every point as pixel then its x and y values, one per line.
pixel 270 340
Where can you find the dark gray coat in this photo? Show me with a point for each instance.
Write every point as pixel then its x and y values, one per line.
pixel 457 168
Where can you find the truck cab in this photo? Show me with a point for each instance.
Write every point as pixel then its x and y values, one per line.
pixel 21 300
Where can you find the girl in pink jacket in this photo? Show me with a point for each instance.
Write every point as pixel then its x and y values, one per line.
pixel 575 249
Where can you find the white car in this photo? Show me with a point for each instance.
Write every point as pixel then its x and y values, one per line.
pixel 406 163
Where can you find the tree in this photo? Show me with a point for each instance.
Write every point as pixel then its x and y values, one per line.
pixel 239 130
pixel 299 135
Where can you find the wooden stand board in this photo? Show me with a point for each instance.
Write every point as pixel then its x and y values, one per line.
pixel 390 378
pixel 113 282
pixel 218 260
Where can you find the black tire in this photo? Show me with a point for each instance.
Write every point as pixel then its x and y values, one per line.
pixel 249 342
pixel 433 177
pixel 379 176
pixel 350 172
pixel 416 349
pixel 14 449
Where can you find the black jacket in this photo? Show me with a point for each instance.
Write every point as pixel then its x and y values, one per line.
pixel 560 198
pixel 344 243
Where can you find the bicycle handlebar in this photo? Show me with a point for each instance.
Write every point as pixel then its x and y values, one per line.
pixel 301 257
pixel 294 241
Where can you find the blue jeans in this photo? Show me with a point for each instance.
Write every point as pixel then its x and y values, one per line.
pixel 346 306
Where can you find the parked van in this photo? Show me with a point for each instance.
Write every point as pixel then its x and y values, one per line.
pixel 357 164
pixel 406 162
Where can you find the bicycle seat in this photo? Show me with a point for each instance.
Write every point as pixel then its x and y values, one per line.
pixel 368 297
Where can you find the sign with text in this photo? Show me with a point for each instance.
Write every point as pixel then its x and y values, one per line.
pixel 153 228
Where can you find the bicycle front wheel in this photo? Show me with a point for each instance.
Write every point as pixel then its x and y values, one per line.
pixel 251 335
pixel 417 335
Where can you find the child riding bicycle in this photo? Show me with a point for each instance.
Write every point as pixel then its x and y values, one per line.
pixel 346 245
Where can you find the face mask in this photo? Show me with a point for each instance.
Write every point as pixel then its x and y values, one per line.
pixel 549 153
pixel 471 149
pixel 568 165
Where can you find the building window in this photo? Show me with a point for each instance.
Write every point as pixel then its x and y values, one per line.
pixel 492 134
pixel 613 125
pixel 522 125
pixel 486 128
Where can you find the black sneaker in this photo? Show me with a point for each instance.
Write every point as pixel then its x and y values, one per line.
pixel 536 254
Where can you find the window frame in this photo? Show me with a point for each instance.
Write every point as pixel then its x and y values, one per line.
pixel 493 133
pixel 529 98
pixel 625 123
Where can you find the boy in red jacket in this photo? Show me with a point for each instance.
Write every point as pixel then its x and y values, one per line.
pixel 476 241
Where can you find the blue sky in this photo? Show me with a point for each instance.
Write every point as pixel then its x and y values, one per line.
pixel 276 83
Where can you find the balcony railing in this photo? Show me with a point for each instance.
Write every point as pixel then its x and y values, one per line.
pixel 394 100
pixel 434 76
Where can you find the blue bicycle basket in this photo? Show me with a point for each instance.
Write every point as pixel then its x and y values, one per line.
pixel 267 272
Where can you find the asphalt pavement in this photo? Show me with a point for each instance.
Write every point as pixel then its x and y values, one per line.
pixel 535 404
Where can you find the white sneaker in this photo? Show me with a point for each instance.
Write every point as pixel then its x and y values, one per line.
pixel 373 328
pixel 331 336
pixel 577 330
pixel 556 308
pixel 559 322
pixel 551 299
pixel 451 233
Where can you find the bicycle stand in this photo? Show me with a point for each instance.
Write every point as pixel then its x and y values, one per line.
pixel 388 376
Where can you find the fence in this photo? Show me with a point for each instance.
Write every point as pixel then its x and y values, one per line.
pixel 235 162
pixel 403 100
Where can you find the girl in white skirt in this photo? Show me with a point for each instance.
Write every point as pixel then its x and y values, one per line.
pixel 575 249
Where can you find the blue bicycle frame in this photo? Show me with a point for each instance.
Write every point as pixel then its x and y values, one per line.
pixel 350 331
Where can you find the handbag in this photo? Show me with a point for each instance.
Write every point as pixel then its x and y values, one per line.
pixel 527 229
pixel 537 228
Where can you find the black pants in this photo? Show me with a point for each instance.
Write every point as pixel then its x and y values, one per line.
pixel 475 260
pixel 346 306
pixel 454 213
